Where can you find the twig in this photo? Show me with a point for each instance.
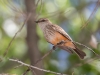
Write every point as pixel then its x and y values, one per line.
pixel 86 47
pixel 33 67
pixel 29 69
pixel 33 72
pixel 53 48
pixel 38 61
pixel 87 61
pixel 14 8
pixel 15 35
pixel 56 13
pixel 41 4
pixel 27 18
pixel 18 66
pixel 44 56
pixel 95 9
pixel 26 71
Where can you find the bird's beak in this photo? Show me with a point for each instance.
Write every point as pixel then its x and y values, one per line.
pixel 36 21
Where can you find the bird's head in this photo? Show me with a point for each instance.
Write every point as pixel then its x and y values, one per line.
pixel 43 21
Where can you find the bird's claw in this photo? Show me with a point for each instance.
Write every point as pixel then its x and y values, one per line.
pixel 61 42
pixel 54 47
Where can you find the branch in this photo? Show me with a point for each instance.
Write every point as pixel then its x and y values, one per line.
pixel 38 61
pixel 33 67
pixel 27 18
pixel 43 56
pixel 6 51
pixel 95 9
pixel 87 61
pixel 86 47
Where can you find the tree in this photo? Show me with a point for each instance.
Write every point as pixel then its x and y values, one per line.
pixel 32 38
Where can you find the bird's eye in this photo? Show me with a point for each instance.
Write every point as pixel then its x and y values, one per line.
pixel 43 20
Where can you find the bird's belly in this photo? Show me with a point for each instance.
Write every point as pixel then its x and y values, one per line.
pixel 58 38
pixel 49 36
pixel 54 37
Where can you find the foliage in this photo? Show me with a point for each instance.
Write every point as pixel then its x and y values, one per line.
pixel 70 15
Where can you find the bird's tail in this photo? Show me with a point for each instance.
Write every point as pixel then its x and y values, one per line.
pixel 70 47
pixel 80 53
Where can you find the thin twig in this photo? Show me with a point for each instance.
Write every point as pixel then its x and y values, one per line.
pixel 7 49
pixel 26 71
pixel 41 4
pixel 27 18
pixel 87 61
pixel 56 13
pixel 33 71
pixel 29 69
pixel 40 8
pixel 86 47
pixel 38 61
pixel 43 56
pixel 18 66
pixel 92 14
pixel 53 48
pixel 14 8
pixel 33 67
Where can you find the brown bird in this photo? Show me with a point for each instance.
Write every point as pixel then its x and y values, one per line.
pixel 55 35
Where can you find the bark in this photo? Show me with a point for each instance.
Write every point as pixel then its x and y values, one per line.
pixel 32 38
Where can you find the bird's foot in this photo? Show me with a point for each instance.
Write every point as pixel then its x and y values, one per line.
pixel 61 42
pixel 54 47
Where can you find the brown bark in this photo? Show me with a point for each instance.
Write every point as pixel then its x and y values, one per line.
pixel 32 38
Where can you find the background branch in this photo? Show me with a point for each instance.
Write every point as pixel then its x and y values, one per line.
pixel 27 65
pixel 92 14
pixel 38 61
pixel 27 18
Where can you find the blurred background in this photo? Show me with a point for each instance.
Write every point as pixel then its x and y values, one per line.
pixel 29 45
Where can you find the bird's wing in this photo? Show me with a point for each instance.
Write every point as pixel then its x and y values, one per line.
pixel 61 31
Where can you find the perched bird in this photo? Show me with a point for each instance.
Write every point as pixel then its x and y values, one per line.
pixel 55 35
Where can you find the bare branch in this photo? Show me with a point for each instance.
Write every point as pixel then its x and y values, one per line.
pixel 18 66
pixel 38 61
pixel 86 47
pixel 14 8
pixel 6 51
pixel 33 71
pixel 40 8
pixel 87 61
pixel 27 18
pixel 92 14
pixel 33 67
pixel 26 71
pixel 43 56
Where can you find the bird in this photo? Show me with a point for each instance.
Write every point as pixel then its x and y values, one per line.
pixel 56 35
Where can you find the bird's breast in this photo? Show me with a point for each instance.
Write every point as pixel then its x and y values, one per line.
pixel 53 37
pixel 49 34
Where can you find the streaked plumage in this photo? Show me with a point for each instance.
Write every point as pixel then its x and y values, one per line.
pixel 55 34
